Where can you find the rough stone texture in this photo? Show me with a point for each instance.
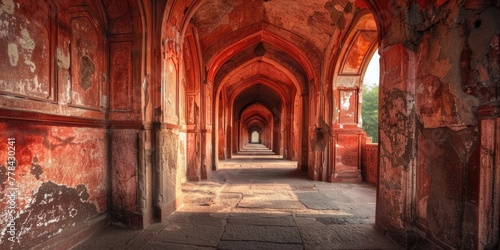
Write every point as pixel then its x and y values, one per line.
pixel 396 139
pixel 269 199
pixel 369 162
pixel 190 234
pixel 489 176
pixel 63 192
pixel 261 233
pixel 25 49
pixel 261 220
pixel 256 245
pixel 444 194
pixel 232 16
pixel 121 96
pixel 444 80
pixel 316 200
pixel 212 217
pixel 342 237
pixel 167 174
pixel 124 170
pixel 54 99
pixel 86 67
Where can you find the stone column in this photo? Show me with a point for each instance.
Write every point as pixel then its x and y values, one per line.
pixel 489 177
pixel 397 123
pixel 168 193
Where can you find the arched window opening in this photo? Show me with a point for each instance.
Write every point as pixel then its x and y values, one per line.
pixel 369 109
pixel 255 137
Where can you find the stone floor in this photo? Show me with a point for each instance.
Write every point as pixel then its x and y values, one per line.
pixel 257 201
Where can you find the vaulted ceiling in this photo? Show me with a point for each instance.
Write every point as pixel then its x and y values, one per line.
pixel 313 20
pixel 279 44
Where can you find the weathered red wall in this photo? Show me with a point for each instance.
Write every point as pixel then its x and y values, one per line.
pixel 59 94
pixel 59 181
pixel 487 196
pixel 61 168
pixel 369 163
pixel 124 170
pixel 435 73
pixel 180 122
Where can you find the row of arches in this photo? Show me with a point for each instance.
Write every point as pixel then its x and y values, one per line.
pixel 164 90
pixel 262 68
pixel 318 83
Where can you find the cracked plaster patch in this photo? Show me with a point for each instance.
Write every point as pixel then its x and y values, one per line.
pixel 7 6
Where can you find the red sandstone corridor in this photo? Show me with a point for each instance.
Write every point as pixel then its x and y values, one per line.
pixel 109 107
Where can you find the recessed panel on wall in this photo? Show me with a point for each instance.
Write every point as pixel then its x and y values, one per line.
pixel 347 153
pixel 86 63
pixel 191 110
pixel 170 82
pixel 348 106
pixel 190 71
pixel 354 58
pixel 119 16
pixel 26 39
pixel 208 118
pixel 181 105
pixel 121 76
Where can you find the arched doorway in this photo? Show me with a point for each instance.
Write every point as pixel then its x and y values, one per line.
pixel 255 137
pixel 347 93
pixel 274 89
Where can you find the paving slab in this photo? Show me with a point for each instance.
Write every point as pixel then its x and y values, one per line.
pixel 190 234
pixel 268 203
pixel 358 209
pixel 269 199
pixel 271 186
pixel 229 199
pixel 316 200
pixel 172 246
pixel 262 233
pixel 305 187
pixel 237 188
pixel 339 196
pixel 112 237
pixel 347 236
pixel 141 240
pixel 199 218
pixel 257 245
pixel 261 220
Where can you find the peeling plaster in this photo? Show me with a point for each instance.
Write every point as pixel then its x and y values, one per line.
pixel 464 104
pixel 87 70
pixel 63 61
pixel 48 213
pixel 28 44
pixel 7 6
pixel 3 178
pixel 398 110
pixel 13 54
pixel 480 36
pixel 4 27
pixel 346 101
pixel 36 169
pixel 440 68
pixel 26 41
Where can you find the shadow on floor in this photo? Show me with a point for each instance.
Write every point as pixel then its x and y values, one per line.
pixel 260 204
